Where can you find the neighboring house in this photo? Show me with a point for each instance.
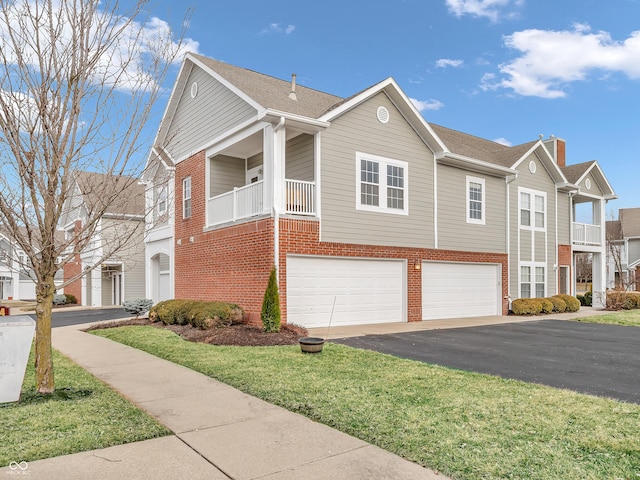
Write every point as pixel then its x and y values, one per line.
pixel 17 279
pixel 623 253
pixel 110 267
pixel 362 202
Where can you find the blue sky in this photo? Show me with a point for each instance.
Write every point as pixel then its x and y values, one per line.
pixel 505 70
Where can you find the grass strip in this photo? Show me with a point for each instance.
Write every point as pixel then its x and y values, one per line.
pixel 466 425
pixel 629 318
pixel 83 414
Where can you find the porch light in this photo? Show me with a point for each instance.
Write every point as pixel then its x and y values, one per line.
pixel 418 265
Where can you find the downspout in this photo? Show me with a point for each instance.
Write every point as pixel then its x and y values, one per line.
pixel 508 181
pixel 276 216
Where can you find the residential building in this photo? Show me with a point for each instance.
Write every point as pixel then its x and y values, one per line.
pixel 108 266
pixel 370 213
pixel 623 252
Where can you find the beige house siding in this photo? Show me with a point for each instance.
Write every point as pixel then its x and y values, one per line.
pixel 214 110
pixel 634 250
pixel 525 242
pixel 359 131
pixel 595 188
pixel 131 256
pixel 454 233
pixel 255 160
pixel 564 219
pixel 225 173
pixel 299 158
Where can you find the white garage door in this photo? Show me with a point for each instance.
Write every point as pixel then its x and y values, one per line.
pixel 365 291
pixel 456 290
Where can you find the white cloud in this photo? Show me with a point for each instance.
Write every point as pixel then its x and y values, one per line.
pixel 551 60
pixel 494 10
pixel 279 28
pixel 503 141
pixel 448 62
pixel 424 105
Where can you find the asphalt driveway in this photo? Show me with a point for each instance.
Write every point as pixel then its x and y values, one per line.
pixel 596 359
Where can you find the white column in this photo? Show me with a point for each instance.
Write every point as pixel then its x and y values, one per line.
pixel 599 265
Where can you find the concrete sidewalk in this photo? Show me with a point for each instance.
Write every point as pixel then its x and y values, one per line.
pixel 219 432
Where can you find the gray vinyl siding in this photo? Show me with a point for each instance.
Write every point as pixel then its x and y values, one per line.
pixel 131 256
pixel 198 120
pixel 255 160
pixel 524 242
pixel 225 173
pixel 564 219
pixel 595 188
pixel 634 250
pixel 299 158
pixel 5 248
pixel 454 233
pixel 359 131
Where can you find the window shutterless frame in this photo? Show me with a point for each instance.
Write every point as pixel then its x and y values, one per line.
pixel 186 197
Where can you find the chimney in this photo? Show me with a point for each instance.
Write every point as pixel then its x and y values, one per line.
pixel 293 95
pixel 561 159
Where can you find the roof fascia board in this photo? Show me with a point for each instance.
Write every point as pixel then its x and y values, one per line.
pixel 227 84
pixel 453 159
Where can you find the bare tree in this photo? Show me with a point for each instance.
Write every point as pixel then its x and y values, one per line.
pixel 617 255
pixel 78 79
pixel 584 267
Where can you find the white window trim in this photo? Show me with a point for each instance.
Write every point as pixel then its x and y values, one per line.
pixel 382 172
pixel 185 198
pixel 477 221
pixel 532 283
pixel 532 217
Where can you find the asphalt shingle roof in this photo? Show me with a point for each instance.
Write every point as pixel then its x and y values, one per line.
pixel 271 92
pixel 118 195
pixel 630 221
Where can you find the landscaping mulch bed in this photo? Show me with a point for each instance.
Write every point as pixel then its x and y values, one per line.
pixel 238 334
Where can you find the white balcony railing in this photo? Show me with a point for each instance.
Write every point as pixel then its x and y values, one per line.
pixel 585 234
pixel 239 203
pixel 299 197
pixel 248 201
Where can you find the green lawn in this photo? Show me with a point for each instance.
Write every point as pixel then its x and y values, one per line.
pixel 83 414
pixel 466 425
pixel 630 318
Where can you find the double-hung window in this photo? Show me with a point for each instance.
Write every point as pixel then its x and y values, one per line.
pixel 532 281
pixel 381 184
pixel 533 207
pixel 186 197
pixel 475 200
pixel 162 200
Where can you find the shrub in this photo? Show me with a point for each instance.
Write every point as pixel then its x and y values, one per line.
pixel 526 306
pixel 623 300
pixel 59 299
pixel 137 306
pixel 588 299
pixel 559 305
pixel 270 314
pixel 545 304
pixel 196 313
pixel 70 298
pixel 573 304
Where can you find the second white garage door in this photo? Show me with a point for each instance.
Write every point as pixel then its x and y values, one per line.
pixel 457 290
pixel 365 290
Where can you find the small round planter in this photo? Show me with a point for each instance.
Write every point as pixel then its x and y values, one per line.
pixel 311 344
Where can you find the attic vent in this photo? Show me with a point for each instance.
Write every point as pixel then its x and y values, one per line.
pixel 382 114
pixel 587 183
pixel 532 166
pixel 194 90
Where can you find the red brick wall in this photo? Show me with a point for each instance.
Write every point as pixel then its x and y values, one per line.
pixel 71 269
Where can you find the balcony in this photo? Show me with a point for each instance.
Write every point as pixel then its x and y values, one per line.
pixel 248 201
pixel 585 234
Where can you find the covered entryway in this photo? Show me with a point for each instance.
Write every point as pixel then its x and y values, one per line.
pixel 365 290
pixel 457 290
pixel 161 277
